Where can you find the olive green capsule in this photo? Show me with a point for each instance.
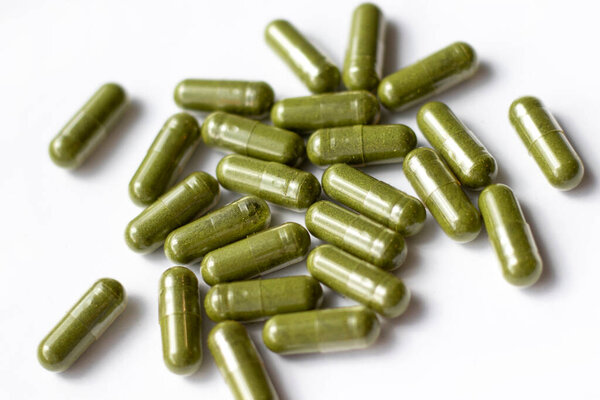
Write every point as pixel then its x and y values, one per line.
pixel 328 110
pixel 356 234
pixel 510 235
pixel 235 221
pixel 258 299
pixel 239 362
pixel 88 127
pixel 180 320
pixel 546 142
pixel 282 185
pixel 441 192
pixel 427 77
pixel 311 66
pixel 82 325
pixel 252 138
pixel 322 331
pixel 256 255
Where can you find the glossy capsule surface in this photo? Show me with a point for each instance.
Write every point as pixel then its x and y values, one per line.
pixel 232 222
pixel 309 64
pixel 88 127
pixel 546 142
pixel 510 235
pixel 427 77
pixel 356 234
pixel 95 311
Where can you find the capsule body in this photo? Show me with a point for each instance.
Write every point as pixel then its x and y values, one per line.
pixel 466 156
pixel 546 142
pixel 83 325
pixel 88 127
pixel 311 66
pixel 431 75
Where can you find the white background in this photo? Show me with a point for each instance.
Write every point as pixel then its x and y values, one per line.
pixel 467 333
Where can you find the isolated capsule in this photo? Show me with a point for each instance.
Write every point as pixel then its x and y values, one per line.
pixel 85 322
pixel 546 142
pixel 441 192
pixel 88 127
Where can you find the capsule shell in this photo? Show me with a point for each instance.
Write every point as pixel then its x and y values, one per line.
pixel 88 127
pixel 442 194
pixel 95 311
pixel 546 142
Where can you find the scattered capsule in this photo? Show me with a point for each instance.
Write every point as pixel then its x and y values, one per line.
pixel 82 325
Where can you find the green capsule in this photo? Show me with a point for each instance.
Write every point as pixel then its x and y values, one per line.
pixel 510 235
pixel 239 362
pixel 546 142
pixel 282 185
pixel 356 234
pixel 427 77
pixel 442 194
pixel 235 221
pixel 311 66
pixel 88 127
pixel 258 299
pixel 82 325
pixel 180 320
pixel 322 331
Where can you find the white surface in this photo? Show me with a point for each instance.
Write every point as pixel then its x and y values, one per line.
pixel 467 334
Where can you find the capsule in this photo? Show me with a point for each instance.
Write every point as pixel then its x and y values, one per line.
pixel 466 156
pixel 88 127
pixel 239 362
pixel 375 199
pixel 309 113
pixel 356 234
pixel 427 77
pixel 180 320
pixel 322 331
pixel 282 185
pixel 252 99
pixel 83 325
pixel 196 194
pixel 262 298
pixel 546 142
pixel 256 255
pixel 441 192
pixel 311 66
pixel 510 235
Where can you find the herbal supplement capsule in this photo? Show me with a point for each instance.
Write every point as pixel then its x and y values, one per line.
pixel 427 77
pixel 466 156
pixel 356 234
pixel 195 195
pixel 546 142
pixel 282 185
pixel 261 298
pixel 510 235
pixel 180 320
pixel 83 325
pixel 235 221
pixel 88 127
pixel 252 138
pixel 256 255
pixel 313 68
pixel 165 159
pixel 321 331
pixel 326 111
pixel 239 362
pixel 441 192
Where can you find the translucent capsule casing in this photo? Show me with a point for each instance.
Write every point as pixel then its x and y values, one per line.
pixel 95 311
pixel 442 194
pixel 88 127
pixel 546 142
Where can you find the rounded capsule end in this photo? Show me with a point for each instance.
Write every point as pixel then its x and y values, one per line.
pixel 314 148
pixel 183 362
pixel 395 299
pixel 469 55
pixel 179 93
pixel 370 108
pixel 326 80
pixel 366 325
pixel 482 173
pixel 214 303
pixel 388 94
pixel 277 114
pixel 309 191
pixel 272 336
pixel 115 288
pixel 300 236
pixel 395 253
pixel 174 249
pixel 467 226
pixel 313 292
pixel 51 360
pixel 61 152
pixel 523 272
pixel 176 276
pixel 410 219
pixel 135 238
pixel 262 98
pixel 141 194
pixel 207 268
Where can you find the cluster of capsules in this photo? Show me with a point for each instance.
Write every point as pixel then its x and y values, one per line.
pixel 235 244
